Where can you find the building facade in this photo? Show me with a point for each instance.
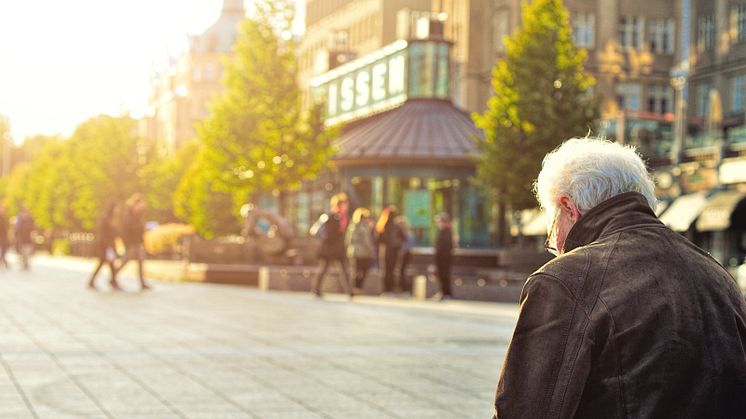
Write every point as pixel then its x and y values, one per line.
pixel 180 95
pixel 632 46
pixel 338 31
pixel 709 177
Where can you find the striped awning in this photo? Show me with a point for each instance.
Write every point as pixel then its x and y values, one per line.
pixel 716 215
pixel 683 211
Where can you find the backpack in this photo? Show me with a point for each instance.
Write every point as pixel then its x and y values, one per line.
pixel 319 228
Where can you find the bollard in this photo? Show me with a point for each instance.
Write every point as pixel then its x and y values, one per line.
pixel 263 278
pixel 419 288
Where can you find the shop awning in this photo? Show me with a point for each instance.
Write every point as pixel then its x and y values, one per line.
pixel 716 213
pixel 683 211
pixel 660 206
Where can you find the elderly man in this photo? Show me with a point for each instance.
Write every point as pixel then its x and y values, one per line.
pixel 630 320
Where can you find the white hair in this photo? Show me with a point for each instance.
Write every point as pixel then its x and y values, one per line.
pixel 590 171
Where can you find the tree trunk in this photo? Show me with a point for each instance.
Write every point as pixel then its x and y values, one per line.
pixel 281 207
pixel 501 224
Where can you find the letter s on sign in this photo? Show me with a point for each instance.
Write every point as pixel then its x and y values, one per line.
pixel 348 96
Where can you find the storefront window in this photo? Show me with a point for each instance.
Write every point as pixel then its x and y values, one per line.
pixel 303 209
pixel 473 225
pixel 419 214
pixel 317 204
pixel 441 90
pixel 376 200
pixel 419 200
pixel 422 68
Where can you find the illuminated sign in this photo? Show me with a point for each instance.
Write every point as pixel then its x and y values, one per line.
pixel 384 79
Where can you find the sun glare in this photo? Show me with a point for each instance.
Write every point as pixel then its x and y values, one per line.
pixel 63 62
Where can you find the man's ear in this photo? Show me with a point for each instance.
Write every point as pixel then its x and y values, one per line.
pixel 568 206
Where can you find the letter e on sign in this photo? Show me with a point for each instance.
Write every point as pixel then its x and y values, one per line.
pixel 378 84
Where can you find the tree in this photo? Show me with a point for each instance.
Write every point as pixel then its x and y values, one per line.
pixel 541 98
pixel 108 165
pixel 49 189
pixel 163 176
pixel 15 188
pixel 197 202
pixel 257 137
pixel 6 142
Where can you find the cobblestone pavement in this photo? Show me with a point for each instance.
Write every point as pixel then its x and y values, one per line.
pixel 211 351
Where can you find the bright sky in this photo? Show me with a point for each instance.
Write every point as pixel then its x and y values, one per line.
pixel 64 61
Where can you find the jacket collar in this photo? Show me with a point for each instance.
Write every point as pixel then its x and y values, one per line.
pixel 624 210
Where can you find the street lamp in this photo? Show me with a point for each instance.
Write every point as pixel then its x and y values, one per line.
pixel 678 81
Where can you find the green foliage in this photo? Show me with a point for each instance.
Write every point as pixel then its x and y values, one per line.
pixel 49 189
pixel 61 247
pixel 200 204
pixel 162 176
pixel 541 99
pixel 16 187
pixel 257 138
pixel 105 151
pixel 68 182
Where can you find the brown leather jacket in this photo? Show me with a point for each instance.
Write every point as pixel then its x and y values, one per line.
pixel 633 321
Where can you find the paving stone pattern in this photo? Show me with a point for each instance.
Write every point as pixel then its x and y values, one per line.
pixel 212 351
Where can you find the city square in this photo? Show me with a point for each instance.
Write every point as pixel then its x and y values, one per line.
pixel 210 351
pixel 373 208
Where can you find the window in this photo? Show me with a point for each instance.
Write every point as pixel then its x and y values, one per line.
pixel 706 33
pixel 703 99
pixel 660 98
pixel 500 29
pixel 583 29
pixel 631 32
pixel 737 84
pixel 209 72
pixel 628 96
pixel 738 21
pixel 662 33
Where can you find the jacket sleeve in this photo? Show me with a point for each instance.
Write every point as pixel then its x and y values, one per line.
pixel 546 364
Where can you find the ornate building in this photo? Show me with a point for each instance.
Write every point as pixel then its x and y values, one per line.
pixel 181 94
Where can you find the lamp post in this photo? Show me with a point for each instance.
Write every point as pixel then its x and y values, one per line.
pixel 678 81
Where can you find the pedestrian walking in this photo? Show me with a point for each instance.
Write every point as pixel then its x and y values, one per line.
pixel 392 238
pixel 630 319
pixel 360 246
pixel 444 255
pixel 330 229
pixel 133 229
pixel 405 254
pixel 105 246
pixel 4 231
pixel 24 229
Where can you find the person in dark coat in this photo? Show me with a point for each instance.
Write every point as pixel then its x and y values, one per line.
pixel 630 320
pixel 444 255
pixel 105 246
pixel 392 237
pixel 24 228
pixel 133 229
pixel 331 230
pixel 405 255
pixel 4 231
pixel 360 246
